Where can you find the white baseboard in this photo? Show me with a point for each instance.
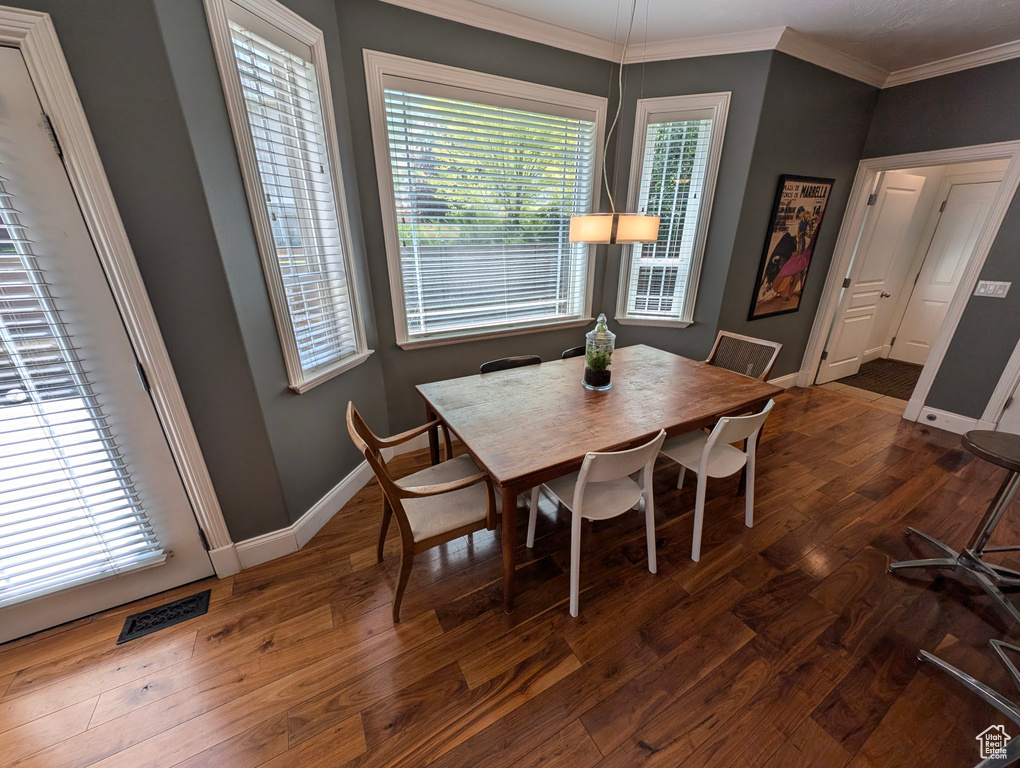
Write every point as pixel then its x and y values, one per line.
pixel 871 354
pixel 787 381
pixel 415 444
pixel 224 560
pixel 951 422
pixel 322 511
pixel 261 549
pixel 269 546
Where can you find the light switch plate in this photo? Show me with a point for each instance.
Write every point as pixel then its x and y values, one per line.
pixel 992 288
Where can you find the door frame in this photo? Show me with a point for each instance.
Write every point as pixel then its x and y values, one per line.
pixel 853 220
pixel 34 34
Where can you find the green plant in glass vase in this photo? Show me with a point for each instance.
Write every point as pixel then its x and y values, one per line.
pixel 598 356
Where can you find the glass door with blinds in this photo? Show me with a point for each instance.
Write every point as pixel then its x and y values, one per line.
pixel 92 510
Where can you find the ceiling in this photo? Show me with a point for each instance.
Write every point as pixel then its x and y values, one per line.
pixel 889 34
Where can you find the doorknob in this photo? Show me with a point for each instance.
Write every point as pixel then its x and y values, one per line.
pixel 886 295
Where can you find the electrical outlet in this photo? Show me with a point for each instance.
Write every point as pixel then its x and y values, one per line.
pixel 992 288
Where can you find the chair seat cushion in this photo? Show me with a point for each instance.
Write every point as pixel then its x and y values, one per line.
pixel 601 500
pixel 436 515
pixel 686 450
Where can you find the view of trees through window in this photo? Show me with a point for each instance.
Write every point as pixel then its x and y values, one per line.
pixel 672 178
pixel 483 197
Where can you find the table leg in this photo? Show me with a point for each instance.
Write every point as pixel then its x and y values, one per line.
pixel 509 546
pixel 430 415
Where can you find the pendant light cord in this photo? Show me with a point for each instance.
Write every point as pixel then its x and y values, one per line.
pixel 619 106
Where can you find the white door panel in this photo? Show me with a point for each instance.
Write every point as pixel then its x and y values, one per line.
pixel 965 212
pixel 40 199
pixel 882 246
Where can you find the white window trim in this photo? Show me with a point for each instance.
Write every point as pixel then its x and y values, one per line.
pixel 293 25
pixel 665 109
pixel 378 67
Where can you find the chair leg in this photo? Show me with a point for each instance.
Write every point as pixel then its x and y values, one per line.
pixel 699 518
pixel 406 561
pixel 680 480
pixel 650 532
pixel 532 517
pixel 575 562
pixel 749 491
pixel 387 513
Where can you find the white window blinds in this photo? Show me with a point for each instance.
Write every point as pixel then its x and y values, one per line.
pixel 483 197
pixel 69 513
pixel 672 181
pixel 284 114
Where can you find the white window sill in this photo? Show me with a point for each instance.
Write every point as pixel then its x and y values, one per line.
pixel 460 338
pixel 325 375
pixel 651 321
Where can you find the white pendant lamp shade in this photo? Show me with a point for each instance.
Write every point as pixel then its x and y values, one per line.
pixel 614 228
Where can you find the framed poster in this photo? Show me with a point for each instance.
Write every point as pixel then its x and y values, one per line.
pixel 790 242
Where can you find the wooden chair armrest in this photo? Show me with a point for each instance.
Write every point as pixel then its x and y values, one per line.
pixel 421 491
pixel 403 437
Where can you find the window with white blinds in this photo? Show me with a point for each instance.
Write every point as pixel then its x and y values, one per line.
pixel 279 113
pixel 69 513
pixel 480 191
pixel 676 159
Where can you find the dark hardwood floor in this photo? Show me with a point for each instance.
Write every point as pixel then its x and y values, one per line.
pixel 788 645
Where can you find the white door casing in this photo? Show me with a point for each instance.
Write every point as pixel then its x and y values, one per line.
pixel 966 209
pixel 881 248
pixel 61 243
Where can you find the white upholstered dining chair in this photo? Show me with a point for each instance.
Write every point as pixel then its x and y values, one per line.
pixel 600 490
pixel 712 455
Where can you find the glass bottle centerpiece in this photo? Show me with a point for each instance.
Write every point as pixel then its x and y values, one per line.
pixel 598 356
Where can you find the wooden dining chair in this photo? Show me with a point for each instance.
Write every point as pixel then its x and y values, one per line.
pixel 600 490
pixel 572 352
pixel 506 363
pixel 436 505
pixel 712 455
pixel 744 354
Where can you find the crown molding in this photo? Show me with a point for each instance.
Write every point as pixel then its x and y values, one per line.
pixel 709 45
pixel 808 49
pixel 784 39
pixel 514 24
pixel 959 63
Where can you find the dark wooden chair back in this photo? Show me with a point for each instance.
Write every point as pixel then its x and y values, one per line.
pixel 506 363
pixel 572 352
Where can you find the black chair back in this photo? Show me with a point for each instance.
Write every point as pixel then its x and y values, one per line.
pixel 506 363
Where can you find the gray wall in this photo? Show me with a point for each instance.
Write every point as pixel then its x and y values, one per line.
pixel 746 77
pixel 813 123
pixel 148 81
pixel 307 434
pixel 173 171
pixel 976 106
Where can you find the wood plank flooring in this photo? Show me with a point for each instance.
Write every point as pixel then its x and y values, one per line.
pixel 788 645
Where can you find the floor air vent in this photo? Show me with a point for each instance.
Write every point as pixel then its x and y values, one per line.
pixel 163 616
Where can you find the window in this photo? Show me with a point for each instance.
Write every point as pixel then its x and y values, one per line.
pixel 479 176
pixel 272 64
pixel 677 144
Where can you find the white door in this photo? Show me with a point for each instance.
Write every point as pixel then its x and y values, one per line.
pixel 882 246
pixel 964 215
pixel 92 510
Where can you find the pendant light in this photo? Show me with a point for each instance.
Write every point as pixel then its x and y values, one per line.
pixel 613 227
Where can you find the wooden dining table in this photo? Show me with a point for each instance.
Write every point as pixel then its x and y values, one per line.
pixel 528 425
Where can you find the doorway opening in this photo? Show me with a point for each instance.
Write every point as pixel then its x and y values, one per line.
pixel 917 231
